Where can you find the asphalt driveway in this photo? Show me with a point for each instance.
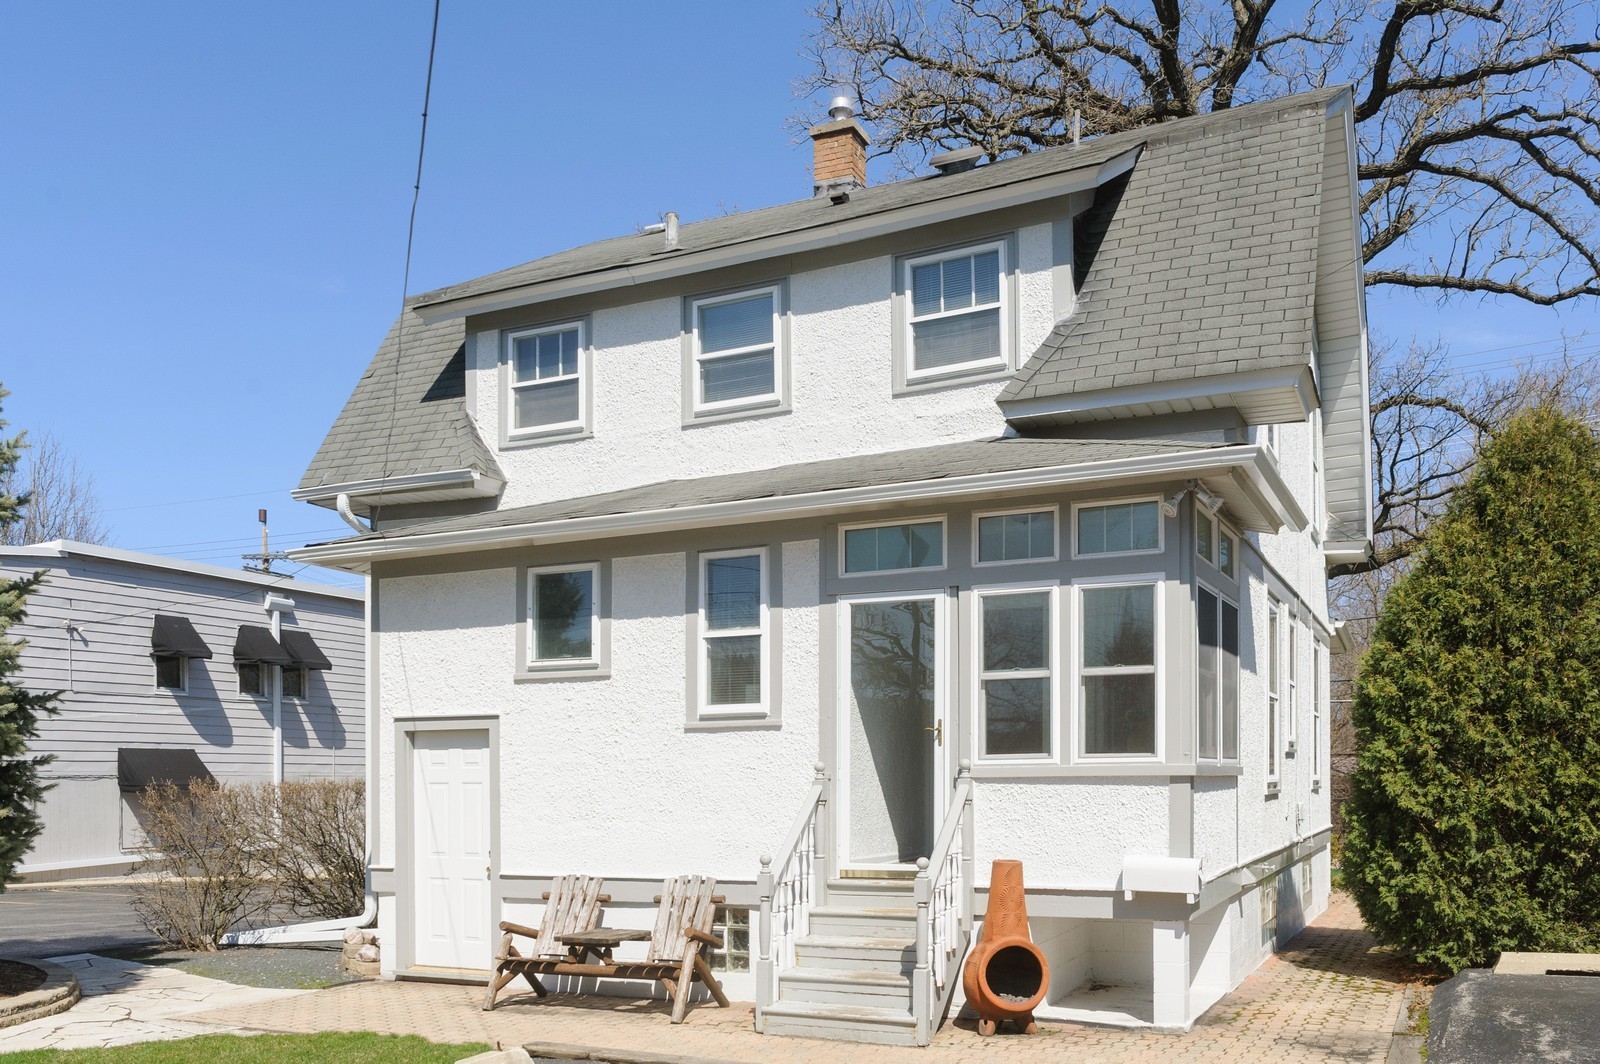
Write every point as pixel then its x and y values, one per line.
pixel 48 921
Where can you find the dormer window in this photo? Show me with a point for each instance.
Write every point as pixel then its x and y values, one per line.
pixel 957 320
pixel 548 385
pixel 737 351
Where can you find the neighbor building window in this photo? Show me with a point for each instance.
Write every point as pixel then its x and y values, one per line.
pixel 891 548
pixel 1021 536
pixel 563 614
pixel 171 673
pixel 737 344
pixel 1119 528
pixel 1217 678
pixel 1016 668
pixel 1274 690
pixel 294 682
pixel 734 641
pixel 547 386
pixel 1117 664
pixel 252 680
pixel 957 320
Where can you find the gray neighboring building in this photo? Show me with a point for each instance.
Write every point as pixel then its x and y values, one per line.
pixel 171 669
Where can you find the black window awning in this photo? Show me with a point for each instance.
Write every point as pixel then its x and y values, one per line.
pixel 304 650
pixel 175 637
pixel 139 769
pixel 254 645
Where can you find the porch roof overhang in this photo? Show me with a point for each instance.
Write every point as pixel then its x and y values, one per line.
pixel 1245 476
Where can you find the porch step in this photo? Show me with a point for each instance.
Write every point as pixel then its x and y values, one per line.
pixel 845 1023
pixel 846 986
pixel 894 954
pixel 865 921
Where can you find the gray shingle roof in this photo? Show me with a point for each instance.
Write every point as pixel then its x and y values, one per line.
pixel 922 464
pixel 1206 261
pixel 418 424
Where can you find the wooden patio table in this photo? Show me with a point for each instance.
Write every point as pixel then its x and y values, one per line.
pixel 599 941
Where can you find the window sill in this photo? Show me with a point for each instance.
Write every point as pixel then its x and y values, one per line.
pixel 1218 770
pixel 537 438
pixel 733 723
pixel 927 382
pixel 762 407
pixel 535 674
pixel 1003 770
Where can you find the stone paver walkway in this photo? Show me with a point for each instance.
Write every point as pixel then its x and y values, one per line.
pixel 125 1002
pixel 1329 997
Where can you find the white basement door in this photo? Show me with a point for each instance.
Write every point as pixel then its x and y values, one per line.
pixel 451 821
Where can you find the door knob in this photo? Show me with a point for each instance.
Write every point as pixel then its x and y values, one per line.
pixel 938 732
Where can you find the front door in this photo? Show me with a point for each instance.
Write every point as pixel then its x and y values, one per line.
pixel 451 824
pixel 892 724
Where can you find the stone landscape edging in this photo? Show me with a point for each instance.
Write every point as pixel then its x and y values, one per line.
pixel 58 993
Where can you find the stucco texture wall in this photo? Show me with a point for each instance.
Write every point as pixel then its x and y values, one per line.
pixel 1069 833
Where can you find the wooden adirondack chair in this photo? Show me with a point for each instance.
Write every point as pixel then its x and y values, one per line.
pixel 572 905
pixel 688 906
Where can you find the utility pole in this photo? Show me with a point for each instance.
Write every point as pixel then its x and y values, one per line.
pixel 262 563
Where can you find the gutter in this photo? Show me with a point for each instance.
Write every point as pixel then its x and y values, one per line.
pixel 470 481
pixel 823 235
pixel 1246 468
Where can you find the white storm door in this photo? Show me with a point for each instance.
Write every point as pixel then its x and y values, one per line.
pixel 450 818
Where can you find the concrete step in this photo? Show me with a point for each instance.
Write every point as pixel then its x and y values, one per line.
pixel 846 986
pixel 864 921
pixel 845 1023
pixel 895 954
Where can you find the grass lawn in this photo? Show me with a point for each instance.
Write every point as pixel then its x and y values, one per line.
pixel 262 1049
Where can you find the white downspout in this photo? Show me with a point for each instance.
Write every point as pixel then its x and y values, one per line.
pixel 276 605
pixel 342 505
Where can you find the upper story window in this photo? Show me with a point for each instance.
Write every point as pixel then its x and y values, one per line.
pixel 172 673
pixel 1213 542
pixel 957 320
pixel 548 389
pixel 294 682
pixel 893 548
pixel 737 348
pixel 1118 528
pixel 1016 536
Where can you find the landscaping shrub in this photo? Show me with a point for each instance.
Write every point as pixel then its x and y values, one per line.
pixel 314 845
pixel 1474 817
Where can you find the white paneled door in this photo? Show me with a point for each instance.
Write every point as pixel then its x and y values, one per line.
pixel 451 822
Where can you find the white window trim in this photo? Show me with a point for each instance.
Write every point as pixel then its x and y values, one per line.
pixel 539 665
pixel 183 675
pixel 914 376
pixel 1161 528
pixel 564 428
pixel 1051 672
pixel 238 680
pixel 1200 514
pixel 1274 692
pixel 1055 539
pixel 1157 584
pixel 762 709
pixel 697 406
pixel 944 545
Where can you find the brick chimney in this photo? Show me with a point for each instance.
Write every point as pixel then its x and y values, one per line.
pixel 839 151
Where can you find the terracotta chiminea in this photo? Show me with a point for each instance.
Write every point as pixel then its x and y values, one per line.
pixel 1006 975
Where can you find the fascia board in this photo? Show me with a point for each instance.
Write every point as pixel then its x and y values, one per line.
pixel 826 235
pixel 1297 377
pixel 1218 461
pixel 325 494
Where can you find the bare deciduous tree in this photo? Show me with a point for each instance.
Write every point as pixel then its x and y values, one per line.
pixel 62 501
pixel 1478 149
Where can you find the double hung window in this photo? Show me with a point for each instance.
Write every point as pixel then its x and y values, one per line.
pixel 563 615
pixel 737 351
pixel 734 640
pixel 1016 673
pixel 1217 678
pixel 1117 670
pixel 957 319
pixel 547 386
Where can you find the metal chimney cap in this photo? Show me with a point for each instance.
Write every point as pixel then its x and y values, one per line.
pixel 842 106
pixel 954 162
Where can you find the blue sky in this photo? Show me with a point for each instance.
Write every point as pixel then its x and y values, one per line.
pixel 203 211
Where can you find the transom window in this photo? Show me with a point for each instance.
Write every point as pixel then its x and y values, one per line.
pixel 1023 536
pixel 547 379
pixel 733 632
pixel 562 614
pixel 957 319
pixel 736 350
pixel 1119 528
pixel 1118 669
pixel 1213 542
pixel 1017 694
pixel 892 548
pixel 1217 686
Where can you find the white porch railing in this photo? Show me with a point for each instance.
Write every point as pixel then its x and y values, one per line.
pixel 791 890
pixel 944 909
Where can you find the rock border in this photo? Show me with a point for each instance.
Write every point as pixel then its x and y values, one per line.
pixel 58 993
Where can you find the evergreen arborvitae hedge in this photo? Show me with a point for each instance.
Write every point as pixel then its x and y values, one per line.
pixel 20 789
pixel 1474 817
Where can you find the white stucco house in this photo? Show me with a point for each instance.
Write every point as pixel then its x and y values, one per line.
pixel 172 670
pixel 839 548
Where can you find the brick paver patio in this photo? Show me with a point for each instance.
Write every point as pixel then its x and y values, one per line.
pixel 1329 997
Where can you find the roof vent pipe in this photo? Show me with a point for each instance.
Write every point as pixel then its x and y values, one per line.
pixel 671 230
pixel 841 106
pixel 955 162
